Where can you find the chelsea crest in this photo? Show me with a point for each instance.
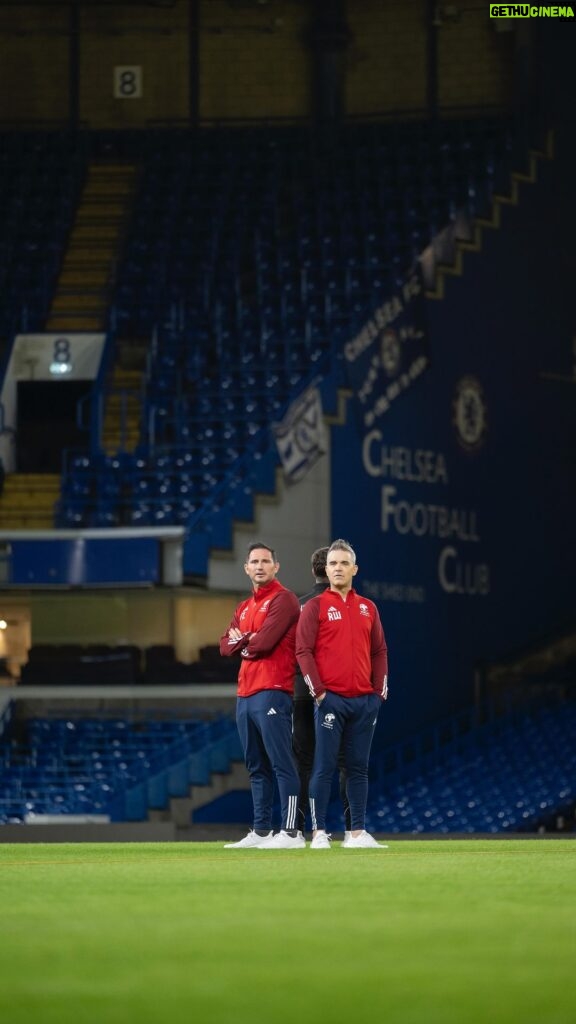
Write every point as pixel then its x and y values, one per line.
pixel 469 414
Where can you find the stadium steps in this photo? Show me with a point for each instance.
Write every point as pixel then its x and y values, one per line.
pixel 210 771
pixel 218 535
pixel 121 428
pixel 205 766
pixel 83 291
pixel 452 264
pixel 181 809
pixel 28 501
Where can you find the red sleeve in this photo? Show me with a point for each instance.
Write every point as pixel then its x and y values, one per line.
pixel 228 646
pixel 379 657
pixel 306 633
pixel 283 612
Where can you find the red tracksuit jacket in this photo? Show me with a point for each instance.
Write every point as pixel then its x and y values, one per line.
pixel 268 659
pixel 340 645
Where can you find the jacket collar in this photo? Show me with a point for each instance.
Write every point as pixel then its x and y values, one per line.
pixel 351 593
pixel 266 590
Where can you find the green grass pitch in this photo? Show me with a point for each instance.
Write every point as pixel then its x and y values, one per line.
pixel 426 932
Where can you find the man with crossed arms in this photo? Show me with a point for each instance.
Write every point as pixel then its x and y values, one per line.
pixel 262 632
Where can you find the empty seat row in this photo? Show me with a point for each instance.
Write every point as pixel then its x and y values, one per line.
pixel 515 777
pixel 104 665
pixel 120 769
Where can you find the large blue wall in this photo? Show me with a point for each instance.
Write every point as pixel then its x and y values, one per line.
pixel 506 576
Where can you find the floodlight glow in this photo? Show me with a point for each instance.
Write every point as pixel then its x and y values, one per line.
pixel 59 369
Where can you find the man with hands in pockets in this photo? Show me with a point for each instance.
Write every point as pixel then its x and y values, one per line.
pixel 342 653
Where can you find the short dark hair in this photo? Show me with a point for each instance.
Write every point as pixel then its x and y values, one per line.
pixel 318 563
pixel 260 544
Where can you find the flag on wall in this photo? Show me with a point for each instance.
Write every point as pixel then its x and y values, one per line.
pixel 301 435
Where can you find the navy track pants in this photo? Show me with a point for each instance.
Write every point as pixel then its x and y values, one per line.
pixel 265 726
pixel 350 722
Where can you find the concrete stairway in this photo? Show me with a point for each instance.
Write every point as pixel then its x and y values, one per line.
pixel 28 499
pixel 83 292
pixel 181 809
pixel 121 428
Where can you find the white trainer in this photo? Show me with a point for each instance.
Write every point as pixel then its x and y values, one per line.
pixel 346 838
pixel 251 841
pixel 282 841
pixel 321 841
pixel 363 842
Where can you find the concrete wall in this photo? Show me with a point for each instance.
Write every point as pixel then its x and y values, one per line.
pixel 185 619
pixel 247 61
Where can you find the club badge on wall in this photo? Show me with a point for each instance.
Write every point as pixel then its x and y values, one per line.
pixel 470 414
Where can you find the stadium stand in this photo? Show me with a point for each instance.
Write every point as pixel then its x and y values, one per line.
pixel 252 254
pixel 513 774
pixel 118 768
pixel 41 176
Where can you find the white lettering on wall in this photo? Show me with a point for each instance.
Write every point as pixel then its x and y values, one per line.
pixel 384 590
pixel 423 520
pixel 383 316
pixel 457 576
pixel 398 463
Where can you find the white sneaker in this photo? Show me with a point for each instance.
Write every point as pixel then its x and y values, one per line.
pixel 346 838
pixel 321 841
pixel 363 841
pixel 282 841
pixel 251 841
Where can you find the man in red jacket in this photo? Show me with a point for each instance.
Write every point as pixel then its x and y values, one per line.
pixel 263 631
pixel 342 653
pixel 303 735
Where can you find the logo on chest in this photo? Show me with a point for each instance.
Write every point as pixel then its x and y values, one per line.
pixel 333 613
